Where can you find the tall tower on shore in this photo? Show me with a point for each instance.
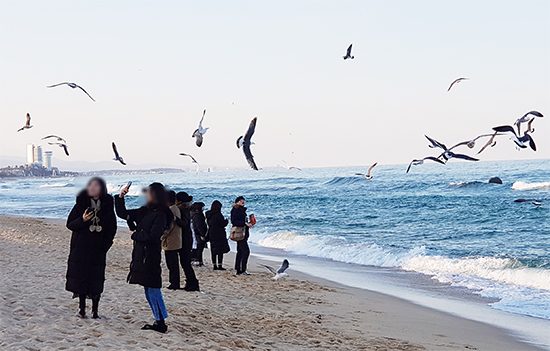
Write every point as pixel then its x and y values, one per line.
pixel 38 155
pixel 30 154
pixel 48 160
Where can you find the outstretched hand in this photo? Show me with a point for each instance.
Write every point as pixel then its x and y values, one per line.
pixel 124 191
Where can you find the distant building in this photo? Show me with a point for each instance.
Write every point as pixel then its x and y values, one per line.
pixel 47 160
pixel 30 154
pixel 38 155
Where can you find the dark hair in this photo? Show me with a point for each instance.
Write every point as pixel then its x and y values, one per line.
pixel 239 199
pixel 216 206
pixel 197 206
pixel 171 194
pixel 101 183
pixel 159 194
pixel 182 196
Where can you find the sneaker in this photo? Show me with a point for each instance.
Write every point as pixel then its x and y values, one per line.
pixel 246 273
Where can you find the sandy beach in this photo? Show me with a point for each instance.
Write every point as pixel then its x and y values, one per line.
pixel 232 313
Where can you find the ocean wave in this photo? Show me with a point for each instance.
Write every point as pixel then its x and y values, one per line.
pixel 344 180
pixel 56 185
pixel 519 185
pixel 467 184
pixel 116 188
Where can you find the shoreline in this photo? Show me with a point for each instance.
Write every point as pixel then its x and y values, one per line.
pixel 300 313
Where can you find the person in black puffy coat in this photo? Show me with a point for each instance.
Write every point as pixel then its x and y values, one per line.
pixel 199 230
pixel 147 225
pixel 240 219
pixel 216 234
pixel 93 223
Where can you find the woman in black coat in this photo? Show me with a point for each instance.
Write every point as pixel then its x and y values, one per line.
pixel 93 223
pixel 147 224
pixel 216 234
pixel 240 219
pixel 199 230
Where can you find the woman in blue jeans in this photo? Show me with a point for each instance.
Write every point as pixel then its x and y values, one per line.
pixel 147 224
pixel 240 219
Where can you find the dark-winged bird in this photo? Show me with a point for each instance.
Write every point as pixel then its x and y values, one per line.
pixel 421 161
pixel 62 145
pixel 348 53
pixel 74 86
pixel 27 123
pixel 192 160
pixel 520 141
pixel 117 155
pixel 447 154
pixel 280 273
pixel 245 142
pixel 456 81
pixel 528 118
pixel 60 139
pixel 367 176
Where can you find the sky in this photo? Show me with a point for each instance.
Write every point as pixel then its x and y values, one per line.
pixel 153 66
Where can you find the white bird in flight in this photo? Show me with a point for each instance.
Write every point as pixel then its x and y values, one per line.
pixel 289 167
pixel 74 86
pixel 193 160
pixel 528 118
pixel 62 145
pixel 367 176
pixel 27 123
pixel 60 139
pixel 280 273
pixel 520 141
pixel 200 131
pixel 456 81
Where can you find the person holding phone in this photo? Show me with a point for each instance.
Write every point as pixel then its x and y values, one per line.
pixel 93 224
pixel 151 221
pixel 239 219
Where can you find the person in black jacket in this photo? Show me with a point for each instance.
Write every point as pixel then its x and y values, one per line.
pixel 183 201
pixel 240 219
pixel 216 234
pixel 93 223
pixel 149 222
pixel 199 230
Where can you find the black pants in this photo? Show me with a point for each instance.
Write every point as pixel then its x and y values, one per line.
pixel 82 303
pixel 243 252
pixel 199 251
pixel 216 257
pixel 173 267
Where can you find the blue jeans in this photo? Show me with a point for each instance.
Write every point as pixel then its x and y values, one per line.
pixel 154 297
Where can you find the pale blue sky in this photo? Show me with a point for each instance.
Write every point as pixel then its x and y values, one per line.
pixel 153 66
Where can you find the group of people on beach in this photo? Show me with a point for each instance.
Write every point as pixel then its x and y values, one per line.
pixel 168 222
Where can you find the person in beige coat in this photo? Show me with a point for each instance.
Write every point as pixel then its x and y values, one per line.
pixel 171 243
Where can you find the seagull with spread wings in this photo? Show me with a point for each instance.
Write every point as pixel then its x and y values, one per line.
pixel 447 154
pixel 245 142
pixel 289 167
pixel 117 155
pixel 456 81
pixel 367 176
pixel 62 145
pixel 27 123
pixel 521 142
pixel 60 139
pixel 421 161
pixel 193 160
pixel 74 86
pixel 348 53
pixel 528 118
pixel 491 142
pixel 200 131
pixel 280 273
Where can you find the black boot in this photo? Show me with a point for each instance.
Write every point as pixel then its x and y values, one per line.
pixel 215 267
pixel 158 326
pixel 95 308
pixel 220 268
pixel 82 305
pixel 194 286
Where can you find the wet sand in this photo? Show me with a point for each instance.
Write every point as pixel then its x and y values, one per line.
pixel 233 313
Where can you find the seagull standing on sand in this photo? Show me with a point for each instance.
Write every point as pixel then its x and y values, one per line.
pixel 74 86
pixel 62 145
pixel 520 141
pixel 289 167
pixel 367 176
pixel 456 81
pixel 200 131
pixel 528 118
pixel 348 53
pixel 117 155
pixel 27 123
pixel 245 142
pixel 192 160
pixel 280 273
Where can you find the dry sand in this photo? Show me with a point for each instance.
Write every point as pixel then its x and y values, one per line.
pixel 234 313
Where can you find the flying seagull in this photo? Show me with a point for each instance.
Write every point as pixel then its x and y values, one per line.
pixel 490 142
pixel 367 176
pixel 520 141
pixel 348 53
pixel 245 142
pixel 192 160
pixel 421 161
pixel 528 118
pixel 62 145
pixel 74 86
pixel 60 139
pixel 456 81
pixel 200 131
pixel 117 156
pixel 447 153
pixel 280 273
pixel 27 123
pixel 289 167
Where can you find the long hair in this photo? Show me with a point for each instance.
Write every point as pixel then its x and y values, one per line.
pixel 102 185
pixel 160 197
pixel 216 207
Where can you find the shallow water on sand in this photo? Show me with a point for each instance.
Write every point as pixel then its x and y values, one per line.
pixel 445 221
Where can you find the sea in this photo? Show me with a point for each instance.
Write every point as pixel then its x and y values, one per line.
pixel 440 236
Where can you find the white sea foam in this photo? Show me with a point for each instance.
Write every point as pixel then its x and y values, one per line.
pixel 519 185
pixel 116 188
pixel 56 185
